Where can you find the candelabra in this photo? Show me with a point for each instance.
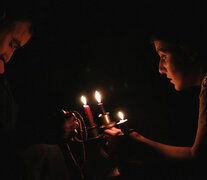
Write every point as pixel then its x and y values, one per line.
pixel 96 131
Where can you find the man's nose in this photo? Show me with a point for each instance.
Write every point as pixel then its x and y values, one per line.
pixel 9 55
pixel 162 69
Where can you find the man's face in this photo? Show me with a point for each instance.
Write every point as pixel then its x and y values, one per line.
pixel 13 38
pixel 168 65
pixel 70 127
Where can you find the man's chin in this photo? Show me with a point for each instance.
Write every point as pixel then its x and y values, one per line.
pixel 72 134
pixel 75 132
pixel 1 61
pixel 1 66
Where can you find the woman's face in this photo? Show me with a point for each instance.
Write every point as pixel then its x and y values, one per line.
pixel 169 65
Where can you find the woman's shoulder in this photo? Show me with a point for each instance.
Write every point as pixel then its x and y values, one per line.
pixel 204 81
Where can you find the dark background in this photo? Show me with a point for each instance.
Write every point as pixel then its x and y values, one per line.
pixel 83 46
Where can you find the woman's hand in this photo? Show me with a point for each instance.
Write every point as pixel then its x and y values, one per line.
pixel 113 139
pixel 113 132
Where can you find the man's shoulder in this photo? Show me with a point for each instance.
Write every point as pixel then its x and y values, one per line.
pixel 41 150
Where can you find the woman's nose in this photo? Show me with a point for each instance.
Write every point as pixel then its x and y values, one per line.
pixel 162 69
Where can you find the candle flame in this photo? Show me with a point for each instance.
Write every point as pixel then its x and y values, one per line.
pixel 98 96
pixel 121 115
pixel 64 112
pixel 83 99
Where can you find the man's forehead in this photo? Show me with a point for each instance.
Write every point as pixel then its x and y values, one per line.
pixel 21 33
pixel 21 27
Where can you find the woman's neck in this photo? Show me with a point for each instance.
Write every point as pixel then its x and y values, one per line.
pixel 200 75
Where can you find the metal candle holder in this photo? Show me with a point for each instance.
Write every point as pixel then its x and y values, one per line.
pixel 106 121
pixel 93 133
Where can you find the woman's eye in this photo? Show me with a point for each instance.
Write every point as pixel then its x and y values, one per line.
pixel 163 57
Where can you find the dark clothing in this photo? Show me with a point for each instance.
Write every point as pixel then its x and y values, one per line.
pixel 7 129
pixel 7 107
pixel 50 162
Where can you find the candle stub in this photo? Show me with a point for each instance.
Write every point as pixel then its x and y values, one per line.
pixel 102 108
pixel 122 121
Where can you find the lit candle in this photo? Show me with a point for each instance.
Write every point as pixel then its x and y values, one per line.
pixel 122 120
pixel 100 104
pixel 88 111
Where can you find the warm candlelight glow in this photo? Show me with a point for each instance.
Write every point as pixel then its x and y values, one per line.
pixel 98 96
pixel 122 120
pixel 64 112
pixel 121 115
pixel 83 99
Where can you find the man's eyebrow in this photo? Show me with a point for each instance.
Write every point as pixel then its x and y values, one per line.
pixel 17 43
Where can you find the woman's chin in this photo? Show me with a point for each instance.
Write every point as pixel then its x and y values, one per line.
pixel 178 88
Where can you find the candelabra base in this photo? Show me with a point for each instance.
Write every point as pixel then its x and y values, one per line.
pixel 93 133
pixel 107 126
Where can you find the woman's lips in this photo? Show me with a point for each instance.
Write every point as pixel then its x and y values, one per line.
pixel 170 79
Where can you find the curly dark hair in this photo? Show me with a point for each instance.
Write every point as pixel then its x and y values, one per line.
pixel 12 11
pixel 186 38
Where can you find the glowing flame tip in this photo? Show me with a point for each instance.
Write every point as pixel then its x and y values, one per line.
pixel 121 115
pixel 98 96
pixel 83 99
